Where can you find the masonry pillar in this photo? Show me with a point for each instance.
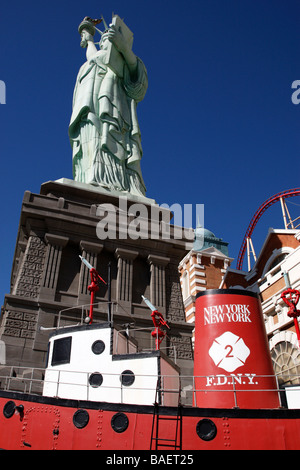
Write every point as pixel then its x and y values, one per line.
pixel 158 281
pixel 124 277
pixel 55 245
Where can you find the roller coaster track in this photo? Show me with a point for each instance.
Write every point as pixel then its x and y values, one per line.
pixel 269 202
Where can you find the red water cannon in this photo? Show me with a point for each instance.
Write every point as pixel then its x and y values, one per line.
pixel 158 321
pixel 291 298
pixel 93 287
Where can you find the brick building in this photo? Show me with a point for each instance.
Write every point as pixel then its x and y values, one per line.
pixel 202 268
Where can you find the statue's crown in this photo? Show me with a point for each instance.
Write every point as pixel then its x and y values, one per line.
pixel 88 24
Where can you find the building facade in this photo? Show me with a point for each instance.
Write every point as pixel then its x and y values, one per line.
pixel 202 268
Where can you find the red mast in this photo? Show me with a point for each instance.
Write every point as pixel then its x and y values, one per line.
pixel 93 287
pixel 158 321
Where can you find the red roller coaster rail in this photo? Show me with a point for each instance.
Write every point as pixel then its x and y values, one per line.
pixel 257 216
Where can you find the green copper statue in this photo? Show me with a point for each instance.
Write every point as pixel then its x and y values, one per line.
pixel 104 130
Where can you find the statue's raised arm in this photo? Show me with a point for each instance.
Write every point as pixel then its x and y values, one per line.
pixel 104 130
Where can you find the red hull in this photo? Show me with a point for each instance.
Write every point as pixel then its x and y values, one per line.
pixel 48 423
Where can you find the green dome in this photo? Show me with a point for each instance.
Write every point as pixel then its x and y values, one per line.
pixel 207 233
pixel 204 232
pixel 205 238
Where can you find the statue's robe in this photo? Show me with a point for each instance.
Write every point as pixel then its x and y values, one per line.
pixel 104 130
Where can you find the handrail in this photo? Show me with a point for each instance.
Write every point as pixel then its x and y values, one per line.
pixel 31 380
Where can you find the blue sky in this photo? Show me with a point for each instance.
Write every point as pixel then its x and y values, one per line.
pixel 218 124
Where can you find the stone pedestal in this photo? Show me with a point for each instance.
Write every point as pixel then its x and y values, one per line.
pixel 49 283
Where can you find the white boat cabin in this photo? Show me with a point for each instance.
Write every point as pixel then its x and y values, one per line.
pixel 83 364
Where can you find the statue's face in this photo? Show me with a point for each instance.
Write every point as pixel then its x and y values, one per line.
pixel 85 37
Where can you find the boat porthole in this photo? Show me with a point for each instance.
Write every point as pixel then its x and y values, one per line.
pixel 9 409
pixel 98 346
pixel 95 379
pixel 206 429
pixel 119 422
pixel 127 378
pixel 81 419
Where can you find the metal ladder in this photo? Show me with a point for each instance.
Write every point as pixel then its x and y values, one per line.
pixel 156 439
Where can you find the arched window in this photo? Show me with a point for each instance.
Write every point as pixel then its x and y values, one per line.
pixel 286 363
pixel 276 258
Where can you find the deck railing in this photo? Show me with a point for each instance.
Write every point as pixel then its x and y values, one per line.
pixel 32 381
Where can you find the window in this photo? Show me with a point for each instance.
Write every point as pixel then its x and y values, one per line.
pixel 127 378
pixel 61 351
pixel 98 346
pixel 95 379
pixel 286 363
pixel 277 260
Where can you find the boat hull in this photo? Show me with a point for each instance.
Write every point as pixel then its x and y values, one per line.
pixel 44 423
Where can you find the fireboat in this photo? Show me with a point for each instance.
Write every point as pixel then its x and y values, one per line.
pixel 99 391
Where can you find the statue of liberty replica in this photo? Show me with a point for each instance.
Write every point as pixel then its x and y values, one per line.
pixel 104 130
